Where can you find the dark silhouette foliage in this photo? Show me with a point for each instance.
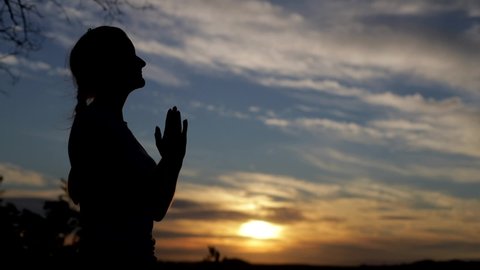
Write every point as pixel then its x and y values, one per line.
pixel 213 255
pixel 28 237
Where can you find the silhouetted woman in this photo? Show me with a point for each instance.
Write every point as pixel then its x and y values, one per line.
pixel 121 190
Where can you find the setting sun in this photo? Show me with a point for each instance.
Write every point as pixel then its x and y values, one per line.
pixel 259 229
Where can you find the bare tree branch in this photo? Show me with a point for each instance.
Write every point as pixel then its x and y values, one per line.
pixel 21 34
pixel 10 11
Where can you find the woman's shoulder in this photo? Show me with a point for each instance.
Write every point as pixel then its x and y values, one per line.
pixel 94 117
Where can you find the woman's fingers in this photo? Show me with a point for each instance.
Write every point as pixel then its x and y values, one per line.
pixel 158 140
pixel 173 123
pixel 177 121
pixel 185 128
pixel 158 133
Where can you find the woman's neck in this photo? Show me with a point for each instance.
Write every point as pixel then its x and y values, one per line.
pixel 111 104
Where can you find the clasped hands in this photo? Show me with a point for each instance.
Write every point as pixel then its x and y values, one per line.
pixel 173 144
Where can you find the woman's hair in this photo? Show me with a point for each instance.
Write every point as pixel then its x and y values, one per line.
pixel 92 61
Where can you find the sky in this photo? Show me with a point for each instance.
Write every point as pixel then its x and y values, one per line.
pixel 348 131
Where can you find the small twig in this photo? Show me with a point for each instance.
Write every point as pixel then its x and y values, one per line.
pixel 10 11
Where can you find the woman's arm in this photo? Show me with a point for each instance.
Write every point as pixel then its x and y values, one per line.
pixel 172 148
pixel 165 182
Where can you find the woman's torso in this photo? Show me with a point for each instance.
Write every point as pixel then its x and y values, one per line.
pixel 110 179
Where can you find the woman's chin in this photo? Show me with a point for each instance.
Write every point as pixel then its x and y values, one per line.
pixel 139 84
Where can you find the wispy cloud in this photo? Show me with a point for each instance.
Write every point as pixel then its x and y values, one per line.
pixel 17 176
pixel 448 126
pixel 46 194
pixel 276 41
pixel 19 65
pixel 19 182
pixel 343 163
pixel 163 76
pixel 219 109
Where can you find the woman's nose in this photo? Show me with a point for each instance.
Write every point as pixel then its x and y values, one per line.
pixel 141 62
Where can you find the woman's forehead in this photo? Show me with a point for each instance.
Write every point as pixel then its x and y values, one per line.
pixel 123 44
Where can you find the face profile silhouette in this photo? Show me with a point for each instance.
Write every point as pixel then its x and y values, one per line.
pixel 120 189
pixel 104 60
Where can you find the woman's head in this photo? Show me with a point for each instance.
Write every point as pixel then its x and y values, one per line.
pixel 103 63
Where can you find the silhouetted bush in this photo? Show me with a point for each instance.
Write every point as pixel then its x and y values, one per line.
pixel 28 237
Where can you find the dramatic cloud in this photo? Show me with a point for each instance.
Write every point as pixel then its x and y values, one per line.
pixel 361 214
pixel 275 41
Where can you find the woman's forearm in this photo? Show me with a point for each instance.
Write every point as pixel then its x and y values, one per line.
pixel 164 185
